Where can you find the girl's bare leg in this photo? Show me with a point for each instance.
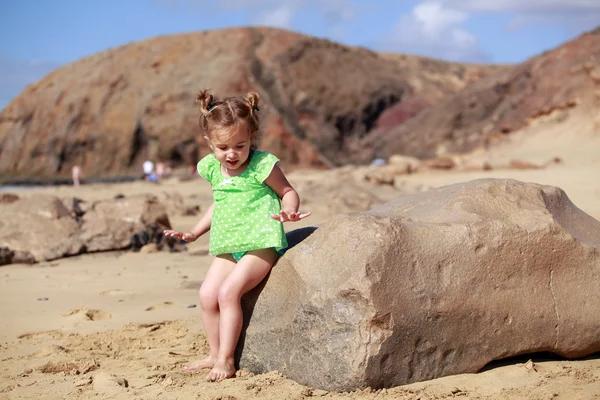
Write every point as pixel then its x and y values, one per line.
pixel 248 273
pixel 220 268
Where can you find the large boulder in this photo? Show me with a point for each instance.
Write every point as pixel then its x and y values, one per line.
pixel 428 285
pixel 39 225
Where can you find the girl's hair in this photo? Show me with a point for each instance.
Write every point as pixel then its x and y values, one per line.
pixel 227 113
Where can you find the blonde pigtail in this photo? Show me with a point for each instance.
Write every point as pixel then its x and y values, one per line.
pixel 205 101
pixel 253 100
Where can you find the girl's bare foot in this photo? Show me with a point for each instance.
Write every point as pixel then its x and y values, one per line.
pixel 208 362
pixel 221 370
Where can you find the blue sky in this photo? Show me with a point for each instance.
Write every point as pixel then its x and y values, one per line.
pixel 37 36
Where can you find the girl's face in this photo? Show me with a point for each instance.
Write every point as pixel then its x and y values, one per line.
pixel 231 148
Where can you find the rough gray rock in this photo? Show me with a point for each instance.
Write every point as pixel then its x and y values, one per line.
pixel 36 224
pixel 8 256
pixel 428 285
pixel 41 227
pixel 110 224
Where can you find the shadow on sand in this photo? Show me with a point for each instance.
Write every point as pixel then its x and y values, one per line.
pixel 537 357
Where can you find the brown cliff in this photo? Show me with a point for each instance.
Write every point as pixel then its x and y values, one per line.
pixel 111 111
pixel 566 77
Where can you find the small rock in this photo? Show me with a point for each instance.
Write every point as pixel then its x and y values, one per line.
pixel 168 381
pixel 42 299
pixel 529 366
pixel 522 164
pixel 439 163
pixel 84 382
pixel 191 211
pixel 7 198
pixel 107 383
pixel 149 248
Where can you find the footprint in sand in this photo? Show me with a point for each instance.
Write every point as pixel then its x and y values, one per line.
pixel 111 292
pixel 187 284
pixel 164 304
pixel 86 314
pixel 49 351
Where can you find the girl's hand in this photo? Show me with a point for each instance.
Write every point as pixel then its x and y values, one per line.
pixel 187 236
pixel 293 216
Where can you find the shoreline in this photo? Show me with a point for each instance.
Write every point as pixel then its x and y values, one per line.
pixel 41 183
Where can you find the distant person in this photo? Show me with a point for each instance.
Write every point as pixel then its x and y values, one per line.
pixel 192 169
pixel 148 168
pixel 161 170
pixel 76 175
pixel 253 199
pixel 378 162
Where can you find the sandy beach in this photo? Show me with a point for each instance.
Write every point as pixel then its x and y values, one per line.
pixel 122 325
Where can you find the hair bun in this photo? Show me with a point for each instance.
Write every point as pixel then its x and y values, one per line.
pixel 253 99
pixel 205 100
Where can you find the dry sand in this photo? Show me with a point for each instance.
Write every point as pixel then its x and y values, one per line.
pixel 122 325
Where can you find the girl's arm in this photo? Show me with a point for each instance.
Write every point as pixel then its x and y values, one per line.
pixel 290 200
pixel 200 229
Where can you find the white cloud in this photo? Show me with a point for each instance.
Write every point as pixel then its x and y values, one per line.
pixel 280 17
pixel 575 15
pixel 435 30
pixel 525 6
pixel 336 11
pixel 574 24
pixel 279 13
pixel 434 20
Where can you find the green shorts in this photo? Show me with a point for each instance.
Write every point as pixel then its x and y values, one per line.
pixel 237 256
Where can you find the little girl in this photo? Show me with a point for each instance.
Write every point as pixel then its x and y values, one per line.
pixel 251 200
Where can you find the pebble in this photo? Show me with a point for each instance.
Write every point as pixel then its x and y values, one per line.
pixel 42 298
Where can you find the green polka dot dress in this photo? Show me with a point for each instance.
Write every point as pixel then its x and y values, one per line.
pixel 241 218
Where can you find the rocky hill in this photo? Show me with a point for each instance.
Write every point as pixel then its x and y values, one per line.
pixel 111 111
pixel 549 85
